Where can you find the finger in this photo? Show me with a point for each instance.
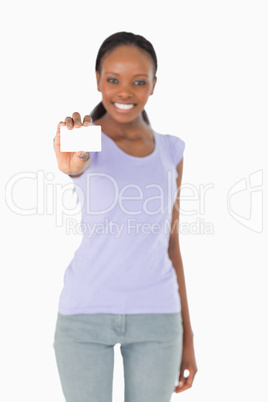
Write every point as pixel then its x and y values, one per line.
pixel 87 120
pixel 84 156
pixel 190 378
pixel 182 386
pixel 181 389
pixel 182 380
pixel 69 122
pixel 185 382
pixel 61 123
pixel 56 140
pixel 77 119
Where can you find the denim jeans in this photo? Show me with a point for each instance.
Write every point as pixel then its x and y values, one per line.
pixel 151 349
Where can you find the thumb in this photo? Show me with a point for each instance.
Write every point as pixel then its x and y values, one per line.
pixel 84 156
pixel 182 379
pixel 179 386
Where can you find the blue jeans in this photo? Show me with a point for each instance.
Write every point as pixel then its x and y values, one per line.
pixel 151 348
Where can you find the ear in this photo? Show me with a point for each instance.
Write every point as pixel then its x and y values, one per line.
pixel 98 81
pixel 155 79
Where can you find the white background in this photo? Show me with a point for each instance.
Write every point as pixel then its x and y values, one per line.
pixel 211 92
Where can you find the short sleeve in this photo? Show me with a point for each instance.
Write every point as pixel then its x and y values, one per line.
pixel 177 146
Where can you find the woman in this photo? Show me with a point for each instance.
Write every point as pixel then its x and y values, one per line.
pixel 125 283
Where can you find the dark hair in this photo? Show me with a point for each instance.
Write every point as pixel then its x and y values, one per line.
pixel 113 41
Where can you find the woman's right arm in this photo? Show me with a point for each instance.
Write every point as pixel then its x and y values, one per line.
pixel 72 163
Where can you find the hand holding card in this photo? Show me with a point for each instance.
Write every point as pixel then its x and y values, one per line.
pixel 73 142
pixel 87 139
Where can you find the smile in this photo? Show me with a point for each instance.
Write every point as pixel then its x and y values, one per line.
pixel 124 106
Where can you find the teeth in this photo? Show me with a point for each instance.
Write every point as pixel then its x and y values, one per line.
pixel 124 106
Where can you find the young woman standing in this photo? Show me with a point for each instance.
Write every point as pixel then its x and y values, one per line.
pixel 125 283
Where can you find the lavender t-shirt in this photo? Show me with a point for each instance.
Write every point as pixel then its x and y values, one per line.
pixel 122 265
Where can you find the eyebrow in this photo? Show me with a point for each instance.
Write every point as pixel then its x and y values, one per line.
pixel 136 75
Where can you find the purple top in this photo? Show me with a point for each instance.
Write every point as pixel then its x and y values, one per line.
pixel 122 265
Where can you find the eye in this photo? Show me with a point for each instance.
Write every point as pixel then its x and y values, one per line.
pixel 139 82
pixel 112 80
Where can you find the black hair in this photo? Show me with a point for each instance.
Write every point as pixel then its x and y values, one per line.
pixel 113 41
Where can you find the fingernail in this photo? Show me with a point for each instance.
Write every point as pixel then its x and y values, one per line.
pixel 78 123
pixel 84 155
pixel 69 125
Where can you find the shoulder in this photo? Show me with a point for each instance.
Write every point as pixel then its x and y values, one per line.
pixel 174 145
pixel 175 141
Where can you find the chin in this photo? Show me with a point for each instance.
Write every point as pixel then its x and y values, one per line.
pixel 125 119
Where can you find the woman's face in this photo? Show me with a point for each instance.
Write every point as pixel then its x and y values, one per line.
pixel 126 81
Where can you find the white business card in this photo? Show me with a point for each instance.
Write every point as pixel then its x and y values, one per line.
pixel 80 139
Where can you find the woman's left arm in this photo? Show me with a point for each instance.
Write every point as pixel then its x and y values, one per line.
pixel 188 356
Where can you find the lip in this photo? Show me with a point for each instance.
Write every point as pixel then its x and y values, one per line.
pixel 125 103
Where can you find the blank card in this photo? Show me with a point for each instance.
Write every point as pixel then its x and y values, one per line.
pixel 80 139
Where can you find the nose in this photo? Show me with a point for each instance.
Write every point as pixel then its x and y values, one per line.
pixel 125 91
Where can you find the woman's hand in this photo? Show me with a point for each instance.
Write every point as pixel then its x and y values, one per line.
pixel 187 363
pixel 71 162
